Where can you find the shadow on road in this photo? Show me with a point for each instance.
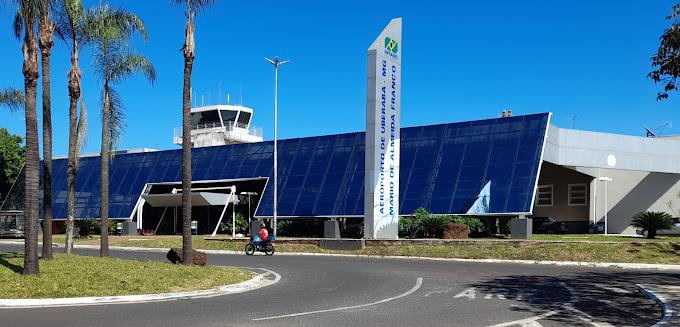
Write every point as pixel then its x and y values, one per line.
pixel 4 257
pixel 579 298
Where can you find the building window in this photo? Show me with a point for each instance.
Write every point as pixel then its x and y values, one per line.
pixel 544 196
pixel 578 195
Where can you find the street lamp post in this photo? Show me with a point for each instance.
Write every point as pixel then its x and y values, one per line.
pixel 249 212
pixel 606 180
pixel 276 63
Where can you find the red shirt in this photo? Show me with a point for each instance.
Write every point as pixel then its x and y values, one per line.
pixel 264 233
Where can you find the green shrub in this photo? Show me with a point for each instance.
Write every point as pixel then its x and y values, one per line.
pixel 652 221
pixel 434 225
pixel 87 227
pixel 241 224
pixel 475 225
pixel 408 227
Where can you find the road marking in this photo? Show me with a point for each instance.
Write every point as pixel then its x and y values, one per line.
pixel 469 293
pixel 531 324
pixel 613 289
pixel 573 298
pixel 419 283
pixel 528 322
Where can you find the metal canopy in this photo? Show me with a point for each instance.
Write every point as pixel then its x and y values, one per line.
pixel 197 199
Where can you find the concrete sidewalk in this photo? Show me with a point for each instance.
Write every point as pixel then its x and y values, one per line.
pixel 668 298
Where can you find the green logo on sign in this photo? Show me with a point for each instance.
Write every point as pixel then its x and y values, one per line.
pixel 391 45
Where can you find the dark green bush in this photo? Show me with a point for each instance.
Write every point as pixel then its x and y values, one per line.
pixel 652 221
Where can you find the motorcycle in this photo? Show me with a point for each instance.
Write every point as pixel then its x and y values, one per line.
pixel 257 244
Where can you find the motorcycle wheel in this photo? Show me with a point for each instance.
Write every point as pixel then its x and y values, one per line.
pixel 250 249
pixel 269 249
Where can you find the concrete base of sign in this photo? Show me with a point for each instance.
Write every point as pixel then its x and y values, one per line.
pixel 521 228
pixel 347 245
pixel 128 228
pixel 331 229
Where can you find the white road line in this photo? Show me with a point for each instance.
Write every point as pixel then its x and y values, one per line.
pixel 613 289
pixel 531 324
pixel 661 301
pixel 573 298
pixel 419 283
pixel 526 322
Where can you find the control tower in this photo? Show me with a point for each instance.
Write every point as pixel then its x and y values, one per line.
pixel 220 125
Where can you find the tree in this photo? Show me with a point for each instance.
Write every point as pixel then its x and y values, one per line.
pixel 652 221
pixel 70 27
pixel 667 57
pixel 11 160
pixel 25 21
pixel 46 31
pixel 113 63
pixel 192 8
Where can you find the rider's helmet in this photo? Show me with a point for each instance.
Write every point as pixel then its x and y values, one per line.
pixel 262 225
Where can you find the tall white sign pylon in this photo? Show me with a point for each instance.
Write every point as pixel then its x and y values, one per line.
pixel 383 109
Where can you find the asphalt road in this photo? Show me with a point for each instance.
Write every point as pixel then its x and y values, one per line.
pixel 342 291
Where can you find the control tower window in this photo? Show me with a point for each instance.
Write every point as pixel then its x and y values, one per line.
pixel 205 119
pixel 244 119
pixel 228 117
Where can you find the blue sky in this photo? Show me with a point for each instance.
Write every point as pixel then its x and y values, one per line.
pixel 461 61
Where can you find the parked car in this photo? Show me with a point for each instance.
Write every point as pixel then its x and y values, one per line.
pixel 547 225
pixel 675 230
pixel 11 223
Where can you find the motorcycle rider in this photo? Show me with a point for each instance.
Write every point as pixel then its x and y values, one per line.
pixel 264 233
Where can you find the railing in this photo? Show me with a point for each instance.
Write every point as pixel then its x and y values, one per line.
pixel 235 130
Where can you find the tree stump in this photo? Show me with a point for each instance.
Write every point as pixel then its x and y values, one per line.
pixel 199 258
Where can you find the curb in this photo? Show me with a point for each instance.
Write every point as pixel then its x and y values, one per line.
pixel 666 309
pixel 256 282
pixel 620 265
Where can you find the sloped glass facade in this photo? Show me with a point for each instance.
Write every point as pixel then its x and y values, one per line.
pixel 443 169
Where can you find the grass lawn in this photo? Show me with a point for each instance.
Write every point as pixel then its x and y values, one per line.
pixel 74 276
pixel 603 238
pixel 628 250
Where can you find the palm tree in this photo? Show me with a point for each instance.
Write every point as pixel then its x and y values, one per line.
pixel 113 63
pixel 75 26
pixel 70 28
pixel 25 20
pixel 192 8
pixel 46 31
pixel 652 221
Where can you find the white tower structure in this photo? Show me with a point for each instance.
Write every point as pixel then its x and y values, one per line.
pixel 220 125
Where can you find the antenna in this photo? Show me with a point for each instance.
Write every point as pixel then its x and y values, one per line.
pixel 228 98
pixel 240 91
pixel 219 93
pixel 573 121
pixel 656 131
pixel 202 100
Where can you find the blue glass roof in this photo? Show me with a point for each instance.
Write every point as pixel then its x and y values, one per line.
pixel 443 169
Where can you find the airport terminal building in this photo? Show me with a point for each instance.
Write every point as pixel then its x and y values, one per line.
pixel 533 168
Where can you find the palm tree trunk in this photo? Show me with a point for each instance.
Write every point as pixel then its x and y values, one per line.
pixel 74 96
pixel 104 176
pixel 46 30
pixel 188 51
pixel 186 163
pixel 31 203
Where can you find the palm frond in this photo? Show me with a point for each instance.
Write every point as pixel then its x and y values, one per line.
pixel 81 134
pixel 104 22
pixel 197 6
pixel 69 20
pixel 132 63
pixel 18 25
pixel 12 98
pixel 116 119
